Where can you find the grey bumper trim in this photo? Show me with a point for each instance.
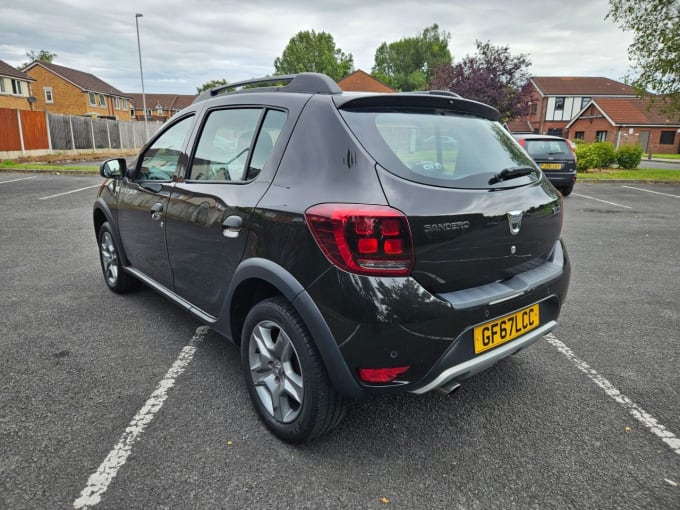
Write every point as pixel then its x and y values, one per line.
pixel 516 286
pixel 484 361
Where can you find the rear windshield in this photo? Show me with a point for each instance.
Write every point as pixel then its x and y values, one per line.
pixel 538 148
pixel 438 147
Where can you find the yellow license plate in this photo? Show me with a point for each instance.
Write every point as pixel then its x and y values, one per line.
pixel 499 331
pixel 551 166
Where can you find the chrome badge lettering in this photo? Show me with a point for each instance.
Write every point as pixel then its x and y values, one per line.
pixel 446 227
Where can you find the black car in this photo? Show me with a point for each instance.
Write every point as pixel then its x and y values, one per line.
pixel 555 156
pixel 352 244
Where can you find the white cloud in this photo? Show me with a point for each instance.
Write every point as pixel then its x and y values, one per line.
pixel 184 44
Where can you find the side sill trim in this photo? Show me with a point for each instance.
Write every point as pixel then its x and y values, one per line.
pixel 484 361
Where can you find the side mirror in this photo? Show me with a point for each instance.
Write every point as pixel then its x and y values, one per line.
pixel 113 168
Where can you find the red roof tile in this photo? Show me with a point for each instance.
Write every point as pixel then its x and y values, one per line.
pixel 583 86
pixel 359 81
pixel 633 111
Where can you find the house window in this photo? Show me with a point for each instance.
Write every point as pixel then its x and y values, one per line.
pixel 667 138
pixel 124 103
pixel 16 87
pixel 585 101
pixel 49 98
pixel 601 136
pixel 116 102
pixel 534 108
pixel 559 103
pixel 2 85
pixel 93 99
pixel 579 135
pixel 159 110
pixel 102 100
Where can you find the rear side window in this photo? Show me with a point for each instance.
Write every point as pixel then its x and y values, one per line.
pixel 538 148
pixel 437 147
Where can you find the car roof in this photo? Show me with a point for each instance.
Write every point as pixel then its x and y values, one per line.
pixel 538 137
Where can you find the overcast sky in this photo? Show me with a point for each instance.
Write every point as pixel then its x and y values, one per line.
pixel 187 43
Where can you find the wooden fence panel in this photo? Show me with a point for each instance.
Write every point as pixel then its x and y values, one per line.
pixel 82 132
pixel 60 132
pixel 9 130
pixel 34 127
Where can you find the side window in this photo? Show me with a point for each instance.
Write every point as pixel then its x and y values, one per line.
pixel 224 145
pixel 160 160
pixel 269 133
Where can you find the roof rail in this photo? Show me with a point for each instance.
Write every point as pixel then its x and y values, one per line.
pixel 436 93
pixel 313 83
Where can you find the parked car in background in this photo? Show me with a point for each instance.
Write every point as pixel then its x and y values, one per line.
pixel 555 156
pixel 351 244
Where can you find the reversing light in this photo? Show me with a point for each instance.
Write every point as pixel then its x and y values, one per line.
pixel 381 375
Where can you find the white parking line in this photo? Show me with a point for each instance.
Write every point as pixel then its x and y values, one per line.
pixel 598 200
pixel 650 191
pixel 69 192
pixel 635 410
pixel 20 179
pixel 99 481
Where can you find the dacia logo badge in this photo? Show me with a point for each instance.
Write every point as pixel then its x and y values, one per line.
pixel 515 221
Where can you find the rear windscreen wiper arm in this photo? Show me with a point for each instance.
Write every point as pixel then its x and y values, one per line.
pixel 511 173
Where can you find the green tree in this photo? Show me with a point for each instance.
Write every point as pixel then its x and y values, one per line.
pixel 655 51
pixel 211 84
pixel 408 64
pixel 40 56
pixel 309 51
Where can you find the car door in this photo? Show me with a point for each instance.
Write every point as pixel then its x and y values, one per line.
pixel 208 211
pixel 142 203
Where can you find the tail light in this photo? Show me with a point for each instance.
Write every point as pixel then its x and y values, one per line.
pixel 381 375
pixel 365 239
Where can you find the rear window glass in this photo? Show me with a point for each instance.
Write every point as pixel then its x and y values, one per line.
pixel 547 148
pixel 439 148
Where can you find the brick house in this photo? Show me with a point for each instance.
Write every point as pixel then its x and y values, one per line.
pixel 60 89
pixel 359 81
pixel 627 121
pixel 158 106
pixel 556 100
pixel 15 88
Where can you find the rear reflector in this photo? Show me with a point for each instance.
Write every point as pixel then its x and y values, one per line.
pixel 366 239
pixel 381 375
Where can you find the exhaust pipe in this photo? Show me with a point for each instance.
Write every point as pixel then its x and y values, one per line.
pixel 448 387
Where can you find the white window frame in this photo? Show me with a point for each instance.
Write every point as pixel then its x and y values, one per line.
pixel 93 98
pixel 2 85
pixel 49 95
pixel 17 88
pixel 102 100
pixel 116 102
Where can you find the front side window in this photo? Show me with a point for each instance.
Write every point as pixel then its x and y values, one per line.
pixel 161 160
pixel 225 143
pixel 438 148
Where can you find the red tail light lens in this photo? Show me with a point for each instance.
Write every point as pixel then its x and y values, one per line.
pixel 365 239
pixel 381 375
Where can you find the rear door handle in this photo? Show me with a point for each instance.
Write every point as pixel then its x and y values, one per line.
pixel 157 211
pixel 232 226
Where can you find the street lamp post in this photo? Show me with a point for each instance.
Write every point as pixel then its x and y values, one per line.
pixel 141 72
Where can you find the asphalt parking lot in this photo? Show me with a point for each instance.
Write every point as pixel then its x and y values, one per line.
pixel 113 402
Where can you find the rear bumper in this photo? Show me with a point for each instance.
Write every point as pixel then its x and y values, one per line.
pixel 395 322
pixel 561 178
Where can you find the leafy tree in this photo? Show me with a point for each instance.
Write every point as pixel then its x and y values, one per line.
pixel 309 51
pixel 40 56
pixel 655 51
pixel 493 76
pixel 211 84
pixel 407 64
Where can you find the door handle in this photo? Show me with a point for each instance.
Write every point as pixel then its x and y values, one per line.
pixel 157 211
pixel 232 226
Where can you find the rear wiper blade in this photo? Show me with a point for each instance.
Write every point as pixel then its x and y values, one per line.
pixel 511 173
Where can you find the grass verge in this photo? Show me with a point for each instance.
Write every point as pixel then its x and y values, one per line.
pixel 44 167
pixel 640 174
pixel 664 156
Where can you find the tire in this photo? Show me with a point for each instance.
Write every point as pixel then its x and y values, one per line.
pixel 567 191
pixel 109 256
pixel 285 376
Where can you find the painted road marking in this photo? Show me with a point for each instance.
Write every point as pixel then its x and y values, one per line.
pixel 635 410
pixel 20 179
pixel 69 192
pixel 598 200
pixel 99 481
pixel 650 191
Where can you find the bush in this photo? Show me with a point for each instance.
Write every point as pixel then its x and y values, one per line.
pixel 595 155
pixel 629 156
